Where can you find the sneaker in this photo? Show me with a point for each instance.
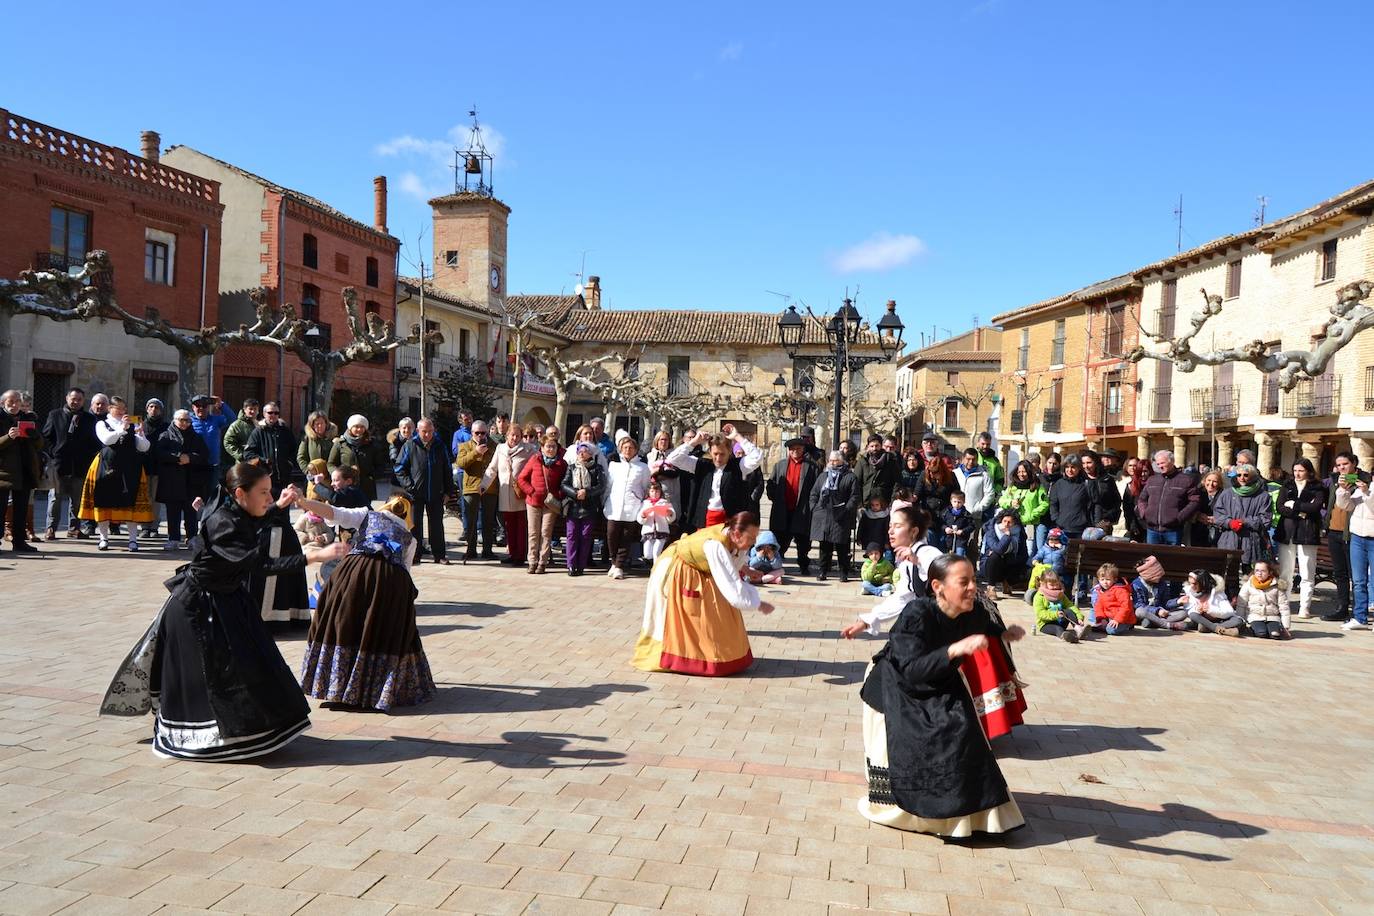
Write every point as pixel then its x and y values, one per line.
pixel 617 572
pixel 1069 636
pixel 1353 624
pixel 185 545
pixel 1304 615
pixel 103 545
pixel 1228 631
pixel 610 573
pixel 133 547
pixel 171 545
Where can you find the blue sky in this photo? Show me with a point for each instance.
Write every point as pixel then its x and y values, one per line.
pixel 963 158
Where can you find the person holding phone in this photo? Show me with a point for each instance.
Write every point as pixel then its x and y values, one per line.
pixel 1352 499
pixel 20 445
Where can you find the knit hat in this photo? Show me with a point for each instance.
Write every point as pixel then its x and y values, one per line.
pixel 318 466
pixel 1056 534
pixel 872 546
pixel 1150 570
pixel 357 420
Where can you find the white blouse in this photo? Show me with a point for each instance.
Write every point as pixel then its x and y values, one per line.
pixel 110 434
pixel 725 566
pixel 354 518
pixel 892 606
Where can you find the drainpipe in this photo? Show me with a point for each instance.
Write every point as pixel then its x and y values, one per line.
pixel 281 291
pixel 205 266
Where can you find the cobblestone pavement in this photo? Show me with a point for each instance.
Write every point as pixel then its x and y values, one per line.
pixel 1178 773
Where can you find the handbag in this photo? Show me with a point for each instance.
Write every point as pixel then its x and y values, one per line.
pixel 551 503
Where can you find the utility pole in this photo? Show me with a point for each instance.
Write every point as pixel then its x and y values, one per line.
pixel 1178 217
pixel 424 346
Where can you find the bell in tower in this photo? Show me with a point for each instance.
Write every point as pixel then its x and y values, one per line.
pixel 472 165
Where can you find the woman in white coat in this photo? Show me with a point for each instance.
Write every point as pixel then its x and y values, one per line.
pixel 510 457
pixel 627 483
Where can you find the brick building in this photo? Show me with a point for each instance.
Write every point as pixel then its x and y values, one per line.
pixel 62 195
pixel 304 252
pixel 939 383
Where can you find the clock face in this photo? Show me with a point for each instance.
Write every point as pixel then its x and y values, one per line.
pixel 496 279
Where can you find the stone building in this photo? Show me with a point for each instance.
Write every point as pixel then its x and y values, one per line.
pixel 303 252
pixel 952 387
pixel 63 195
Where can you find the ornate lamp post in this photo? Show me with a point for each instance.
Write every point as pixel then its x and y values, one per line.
pixel 841 334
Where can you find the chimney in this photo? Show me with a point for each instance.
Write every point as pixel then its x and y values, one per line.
pixel 591 293
pixel 977 338
pixel 150 143
pixel 379 202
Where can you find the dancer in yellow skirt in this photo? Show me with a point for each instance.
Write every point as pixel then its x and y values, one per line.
pixel 116 487
pixel 692 620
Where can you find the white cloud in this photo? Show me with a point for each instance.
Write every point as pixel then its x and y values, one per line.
pixel 431 159
pixel 880 251
pixel 733 51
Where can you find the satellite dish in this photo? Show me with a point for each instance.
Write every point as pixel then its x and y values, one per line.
pixel 577 290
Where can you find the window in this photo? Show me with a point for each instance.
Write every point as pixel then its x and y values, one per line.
pixel 951 413
pixel 951 378
pixel 155 263
pixel 1168 306
pixel 372 308
pixel 310 302
pixel 430 346
pixel 679 375
pixel 1023 352
pixel 1112 342
pixel 1057 394
pixel 1112 403
pixel 1233 279
pixel 450 258
pixel 630 368
pixel 310 251
pixel 1060 334
pixel 70 237
pixel 464 344
pixel 49 389
pixel 1269 392
pixel 372 272
pixel 1329 259
pixel 341 264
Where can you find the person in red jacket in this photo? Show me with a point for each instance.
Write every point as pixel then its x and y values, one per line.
pixel 539 481
pixel 1113 611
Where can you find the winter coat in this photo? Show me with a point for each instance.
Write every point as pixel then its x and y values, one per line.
pixel 69 441
pixel 153 428
pixel 1214 606
pixel 995 543
pixel 273 445
pixel 1114 603
pixel 1167 502
pixel 537 479
pixel 872 528
pixel 833 511
pixel 627 483
pixel 1360 507
pixel 365 454
pixel 211 431
pixel 505 469
pixel 980 493
pixel 1267 605
pixel 176 482
pixel 911 480
pixel 669 477
pixel 590 507
pixel 1106 500
pixel 1161 594
pixel 20 456
pixel 1049 610
pixel 236 436
pixel 878 479
pixel 934 498
pixel 473 464
pixel 758 561
pixel 1034 503
pixel 962 523
pixel 794 522
pixel 312 447
pixel 424 472
pixel 1071 505
pixel 1255 514
pixel 394 444
pixel 1300 523
pixel 651 524
pixel 1054 557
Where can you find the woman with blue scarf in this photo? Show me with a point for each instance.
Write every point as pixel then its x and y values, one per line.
pixel 363 650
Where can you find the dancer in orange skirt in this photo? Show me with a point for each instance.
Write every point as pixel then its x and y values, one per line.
pixel 116 486
pixel 692 620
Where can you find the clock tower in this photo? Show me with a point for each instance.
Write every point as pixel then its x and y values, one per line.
pixel 470 228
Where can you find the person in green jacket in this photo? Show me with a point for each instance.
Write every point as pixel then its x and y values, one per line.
pixel 236 436
pixel 316 442
pixel 987 457
pixel 1026 496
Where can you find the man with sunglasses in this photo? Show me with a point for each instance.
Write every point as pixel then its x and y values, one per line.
pixel 479 505
pixel 273 446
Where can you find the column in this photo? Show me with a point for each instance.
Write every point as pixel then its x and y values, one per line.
pixel 1226 450
pixel 1312 450
pixel 1364 451
pixel 1180 450
pixel 1142 446
pixel 1270 451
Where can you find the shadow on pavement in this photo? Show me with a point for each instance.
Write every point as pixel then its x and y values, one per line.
pixel 517 750
pixel 1051 742
pixel 464 608
pixel 836 672
pixel 798 634
pixel 514 698
pixel 1051 819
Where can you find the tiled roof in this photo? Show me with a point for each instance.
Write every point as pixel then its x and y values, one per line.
pixel 312 202
pixel 1027 310
pixel 550 309
pixel 467 195
pixel 1106 287
pixel 959 356
pixel 411 286
pixel 1221 244
pixel 1360 195
pixel 686 327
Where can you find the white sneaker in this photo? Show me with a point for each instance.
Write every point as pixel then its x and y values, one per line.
pixel 103 545
pixel 610 573
pixel 1353 624
pixel 617 572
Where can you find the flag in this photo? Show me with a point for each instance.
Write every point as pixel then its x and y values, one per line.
pixel 495 348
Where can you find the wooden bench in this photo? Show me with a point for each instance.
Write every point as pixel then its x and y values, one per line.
pixel 1325 572
pixel 1084 557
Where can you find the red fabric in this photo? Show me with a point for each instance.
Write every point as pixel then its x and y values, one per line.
pixel 1236 524
pixel 517 535
pixel 709 669
pixel 1115 604
pixel 793 490
pixel 716 516
pixel 536 480
pixel 988 671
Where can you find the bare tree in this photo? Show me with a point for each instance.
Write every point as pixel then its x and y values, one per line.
pixel 564 373
pixel 1349 316
pixel 55 295
pixel 975 398
pixel 1026 397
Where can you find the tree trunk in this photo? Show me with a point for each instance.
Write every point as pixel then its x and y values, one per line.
pixel 6 346
pixel 188 372
pixel 322 376
pixel 560 410
pixel 515 380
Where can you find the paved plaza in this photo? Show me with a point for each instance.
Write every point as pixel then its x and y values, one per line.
pixel 1158 773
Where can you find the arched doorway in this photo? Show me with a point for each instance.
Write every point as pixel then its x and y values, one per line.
pixel 537 415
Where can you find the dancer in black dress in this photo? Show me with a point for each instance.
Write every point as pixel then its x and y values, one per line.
pixel 207 667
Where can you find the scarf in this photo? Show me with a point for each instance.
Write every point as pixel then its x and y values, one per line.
pixel 1262 586
pixel 353 442
pixel 832 478
pixel 876 459
pixel 1249 489
pixel 548 462
pixel 581 477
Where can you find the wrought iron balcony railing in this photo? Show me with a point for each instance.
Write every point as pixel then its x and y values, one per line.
pixel 1051 419
pixel 1318 397
pixel 1215 403
pixel 1018 421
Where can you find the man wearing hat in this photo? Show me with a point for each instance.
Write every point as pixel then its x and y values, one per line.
pixel 273 446
pixel 789 490
pixel 813 454
pixel 209 421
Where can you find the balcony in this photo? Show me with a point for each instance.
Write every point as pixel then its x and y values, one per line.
pixel 1319 397
pixel 1369 388
pixel 67 264
pixel 1161 404
pixel 1102 414
pixel 409 358
pixel 1213 404
pixel 1052 418
pixel 1018 421
pixel 1270 395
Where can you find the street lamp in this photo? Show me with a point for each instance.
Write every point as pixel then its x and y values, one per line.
pixel 842 332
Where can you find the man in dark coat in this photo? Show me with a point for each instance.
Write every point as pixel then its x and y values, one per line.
pixel 425 473
pixel 71 446
pixel 877 471
pixel 813 453
pixel 834 506
pixel 155 423
pixel 21 445
pixel 719 488
pixel 1168 501
pixel 273 446
pixel 789 492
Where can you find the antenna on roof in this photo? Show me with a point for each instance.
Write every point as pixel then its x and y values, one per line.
pixel 785 297
pixel 1178 217
pixel 1263 205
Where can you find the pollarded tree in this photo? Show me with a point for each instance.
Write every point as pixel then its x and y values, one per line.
pixel 55 295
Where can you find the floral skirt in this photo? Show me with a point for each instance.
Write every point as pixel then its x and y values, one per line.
pixel 364 648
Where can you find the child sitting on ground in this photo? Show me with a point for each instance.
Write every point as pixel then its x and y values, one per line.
pixel 765 561
pixel 1053 615
pixel 1208 606
pixel 656 515
pixel 1156 599
pixel 1263 601
pixel 347 493
pixel 317 481
pixel 873 522
pixel 1112 610
pixel 958 524
pixel 1050 557
pixel 877 572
